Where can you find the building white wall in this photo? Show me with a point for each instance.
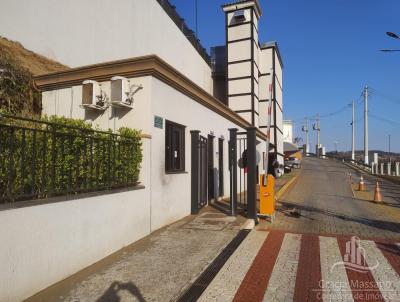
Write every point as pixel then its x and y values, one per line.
pixel 288 129
pixel 171 192
pixel 44 244
pixel 83 32
pixel 66 102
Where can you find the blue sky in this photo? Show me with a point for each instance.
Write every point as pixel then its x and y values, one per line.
pixel 330 51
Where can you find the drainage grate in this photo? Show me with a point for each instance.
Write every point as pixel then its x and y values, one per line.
pixel 201 283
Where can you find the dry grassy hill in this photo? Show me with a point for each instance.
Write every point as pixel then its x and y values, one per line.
pixel 18 65
pixel 34 63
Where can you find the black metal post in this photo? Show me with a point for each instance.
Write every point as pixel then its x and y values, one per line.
pixel 195 136
pixel 251 173
pixel 233 169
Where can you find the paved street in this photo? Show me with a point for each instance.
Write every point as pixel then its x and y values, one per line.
pixel 324 201
pixel 310 254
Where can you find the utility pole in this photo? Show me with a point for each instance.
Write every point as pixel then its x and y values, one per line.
pixel 305 129
pixel 318 133
pixel 366 161
pixel 353 146
pixel 196 12
pixel 318 129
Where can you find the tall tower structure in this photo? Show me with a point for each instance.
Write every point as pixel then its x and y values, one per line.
pixel 242 47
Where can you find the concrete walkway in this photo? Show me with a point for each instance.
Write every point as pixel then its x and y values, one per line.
pixel 157 268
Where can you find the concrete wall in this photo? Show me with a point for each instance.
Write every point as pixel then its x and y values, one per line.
pixel 44 244
pixel 171 192
pixel 47 243
pixel 83 32
pixel 66 102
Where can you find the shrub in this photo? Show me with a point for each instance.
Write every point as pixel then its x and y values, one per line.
pixel 56 156
pixel 18 94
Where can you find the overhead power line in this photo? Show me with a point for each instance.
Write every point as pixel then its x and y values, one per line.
pixel 383 119
pixel 386 97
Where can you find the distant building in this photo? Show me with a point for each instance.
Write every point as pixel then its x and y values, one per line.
pixel 288 129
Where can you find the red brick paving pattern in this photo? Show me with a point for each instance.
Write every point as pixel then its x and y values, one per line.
pixel 308 271
pixel 256 280
pixel 355 278
pixel 392 254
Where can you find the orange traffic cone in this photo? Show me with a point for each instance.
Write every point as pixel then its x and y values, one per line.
pixel 361 186
pixel 378 195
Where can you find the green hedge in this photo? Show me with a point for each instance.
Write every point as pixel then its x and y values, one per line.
pixel 57 156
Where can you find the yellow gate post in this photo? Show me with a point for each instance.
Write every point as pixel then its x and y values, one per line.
pixel 267 196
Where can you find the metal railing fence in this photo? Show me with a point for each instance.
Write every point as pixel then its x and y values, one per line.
pixel 39 159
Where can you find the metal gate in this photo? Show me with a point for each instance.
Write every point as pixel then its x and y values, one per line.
pixel 243 171
pixel 199 171
pixel 241 151
pixel 203 172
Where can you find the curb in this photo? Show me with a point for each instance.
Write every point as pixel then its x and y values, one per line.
pixel 383 177
pixel 352 191
pixel 286 186
pixel 249 224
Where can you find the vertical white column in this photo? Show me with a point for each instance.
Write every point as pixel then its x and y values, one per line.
pixel 353 155
pixel 382 169
pixel 397 169
pixel 389 169
pixel 366 161
pixel 307 140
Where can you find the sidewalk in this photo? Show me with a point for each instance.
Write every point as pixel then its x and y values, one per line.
pixel 157 268
pixel 160 267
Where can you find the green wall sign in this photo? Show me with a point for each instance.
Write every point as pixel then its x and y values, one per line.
pixel 158 122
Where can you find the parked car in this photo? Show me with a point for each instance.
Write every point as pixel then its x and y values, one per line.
pixel 287 168
pixel 293 162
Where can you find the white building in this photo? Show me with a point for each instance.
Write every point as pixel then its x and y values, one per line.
pixel 135 51
pixel 288 129
pixel 78 33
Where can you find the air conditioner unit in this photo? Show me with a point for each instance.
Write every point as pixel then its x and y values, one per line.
pixel 92 96
pixel 122 92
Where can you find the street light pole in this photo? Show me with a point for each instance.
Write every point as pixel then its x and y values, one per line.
pixel 366 161
pixel 318 133
pixel 353 147
pixel 394 36
pixel 196 12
